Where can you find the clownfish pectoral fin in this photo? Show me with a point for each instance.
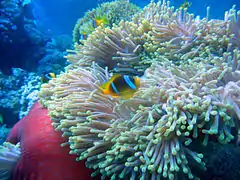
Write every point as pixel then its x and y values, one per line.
pixel 137 82
pixel 127 95
pixel 103 90
pixel 104 86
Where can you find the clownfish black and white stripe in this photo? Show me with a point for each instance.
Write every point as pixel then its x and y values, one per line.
pixel 121 86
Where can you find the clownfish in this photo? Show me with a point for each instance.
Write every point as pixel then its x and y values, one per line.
pixel 100 20
pixel 121 86
pixel 47 77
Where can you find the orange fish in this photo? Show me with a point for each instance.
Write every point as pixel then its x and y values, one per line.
pixel 121 86
pixel 100 20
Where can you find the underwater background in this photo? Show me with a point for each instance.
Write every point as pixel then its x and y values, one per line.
pixel 55 15
pixel 37 36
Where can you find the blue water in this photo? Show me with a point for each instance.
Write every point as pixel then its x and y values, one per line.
pixel 61 16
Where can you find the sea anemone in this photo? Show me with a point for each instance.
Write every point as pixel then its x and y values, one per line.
pixel 174 107
pixel 189 94
pixel 158 31
pixel 110 12
pixel 9 155
pixel 119 47
pixel 80 110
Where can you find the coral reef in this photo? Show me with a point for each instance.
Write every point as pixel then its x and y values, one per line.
pixel 29 94
pixel 189 94
pixel 53 60
pixel 27 53
pixel 24 44
pixel 19 29
pixel 114 12
pixel 10 13
pixel 18 93
pixel 4 131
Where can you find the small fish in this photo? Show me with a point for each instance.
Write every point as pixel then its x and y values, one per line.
pixel 100 20
pixel 185 5
pixel 84 36
pixel 121 86
pixel 47 77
